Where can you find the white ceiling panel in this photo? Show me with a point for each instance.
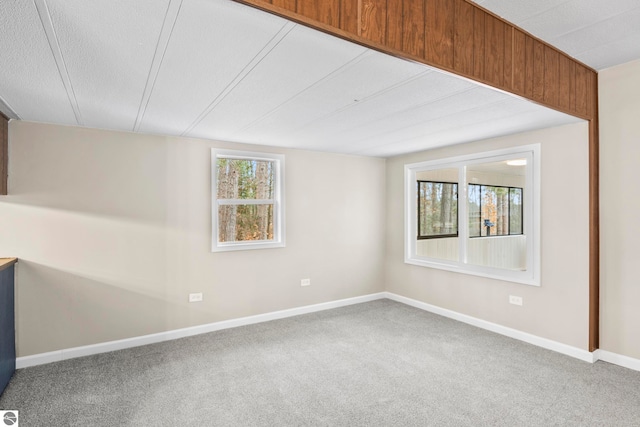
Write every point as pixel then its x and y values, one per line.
pixel 420 120
pixel 602 58
pixel 616 41
pixel 211 44
pixel 368 76
pixel 575 14
pixel 517 10
pixel 536 118
pixel 101 42
pixel 301 59
pixel 399 106
pixel 30 82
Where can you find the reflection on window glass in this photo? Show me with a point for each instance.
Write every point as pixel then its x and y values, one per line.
pixel 515 211
pixel 494 210
pixel 437 209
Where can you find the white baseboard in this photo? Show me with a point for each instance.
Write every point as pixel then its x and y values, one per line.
pixel 70 353
pixel 618 359
pixel 55 356
pixel 499 329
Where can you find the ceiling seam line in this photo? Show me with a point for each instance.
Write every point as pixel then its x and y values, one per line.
pixel 255 61
pixel 154 69
pixel 58 57
pixel 351 62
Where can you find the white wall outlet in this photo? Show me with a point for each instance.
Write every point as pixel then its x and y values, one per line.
pixel 305 282
pixel 515 300
pixel 197 297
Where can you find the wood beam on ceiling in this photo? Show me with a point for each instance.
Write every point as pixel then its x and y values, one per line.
pixel 465 39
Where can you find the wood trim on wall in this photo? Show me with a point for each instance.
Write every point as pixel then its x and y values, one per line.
pixel 463 38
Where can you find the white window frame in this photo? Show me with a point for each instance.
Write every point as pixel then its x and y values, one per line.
pixel 278 240
pixel 531 213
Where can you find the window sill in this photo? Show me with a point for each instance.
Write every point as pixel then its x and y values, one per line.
pixel 514 276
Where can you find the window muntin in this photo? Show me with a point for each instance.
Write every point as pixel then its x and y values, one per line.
pixel 513 257
pixel 437 209
pixel 247 208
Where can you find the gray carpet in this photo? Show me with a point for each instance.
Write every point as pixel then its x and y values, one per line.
pixel 375 364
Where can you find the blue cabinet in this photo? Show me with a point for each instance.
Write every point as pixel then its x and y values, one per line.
pixel 7 326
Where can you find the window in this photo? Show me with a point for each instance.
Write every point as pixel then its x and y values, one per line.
pixel 247 211
pixel 494 210
pixel 476 214
pixel 437 209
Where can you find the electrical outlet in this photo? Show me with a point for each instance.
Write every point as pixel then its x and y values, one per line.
pixel 197 297
pixel 515 300
pixel 305 282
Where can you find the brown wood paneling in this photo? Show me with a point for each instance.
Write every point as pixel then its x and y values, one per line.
pixel 594 232
pixel 564 83
pixel 285 4
pixel 439 33
pixel 349 16
pixel 592 106
pixel 395 23
pixel 373 20
pixel 4 155
pixel 494 51
pixel 463 38
pixel 538 71
pixel 529 69
pixel 478 43
pixel 413 27
pixel 519 61
pixel 508 57
pixel 551 76
pixel 582 90
pixel 325 11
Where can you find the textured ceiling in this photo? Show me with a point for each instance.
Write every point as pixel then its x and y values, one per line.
pixel 599 33
pixel 216 69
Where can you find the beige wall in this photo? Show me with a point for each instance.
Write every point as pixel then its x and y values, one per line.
pixel 619 96
pixel 556 310
pixel 113 231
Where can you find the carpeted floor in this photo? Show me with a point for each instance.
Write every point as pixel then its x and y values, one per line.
pixel 375 364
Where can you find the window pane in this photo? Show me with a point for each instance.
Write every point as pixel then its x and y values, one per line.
pixel 245 179
pixel 239 223
pixel 495 194
pixel 495 211
pixel 515 211
pixel 437 214
pixel 475 219
pixel 437 209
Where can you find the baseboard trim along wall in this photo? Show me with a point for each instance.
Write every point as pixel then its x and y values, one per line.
pixel 55 356
pixel 499 329
pixel 618 359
